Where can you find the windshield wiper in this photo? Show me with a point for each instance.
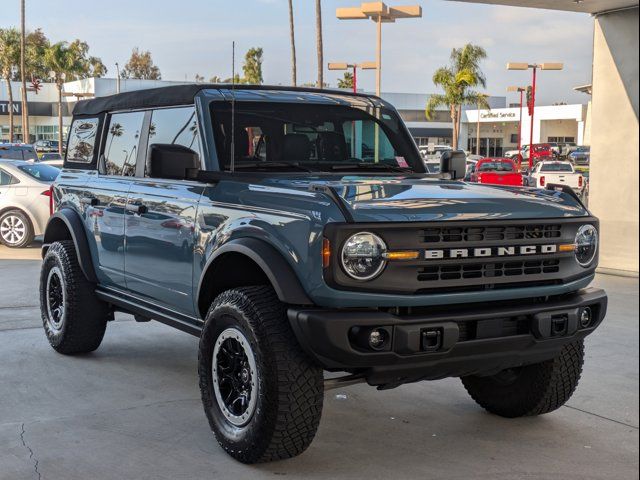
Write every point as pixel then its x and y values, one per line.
pixel 371 166
pixel 268 165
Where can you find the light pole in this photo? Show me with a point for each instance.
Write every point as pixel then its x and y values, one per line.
pixel 532 104
pixel 521 90
pixel 354 67
pixel 380 13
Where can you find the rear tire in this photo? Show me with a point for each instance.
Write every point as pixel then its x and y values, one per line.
pixel 261 393
pixel 16 230
pixel 74 319
pixel 530 390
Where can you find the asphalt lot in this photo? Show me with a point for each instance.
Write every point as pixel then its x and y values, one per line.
pixel 132 410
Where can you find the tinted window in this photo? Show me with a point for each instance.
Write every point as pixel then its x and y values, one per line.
pixel 496 166
pixel 121 147
pixel 44 173
pixel 82 140
pixel 12 152
pixel 175 126
pixel 5 178
pixel 556 167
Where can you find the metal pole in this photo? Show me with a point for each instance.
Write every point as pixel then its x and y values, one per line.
pixel 533 109
pixel 355 79
pixel 520 132
pixel 478 131
pixel 379 57
pixel 23 75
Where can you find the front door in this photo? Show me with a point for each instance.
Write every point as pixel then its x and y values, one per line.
pixel 160 220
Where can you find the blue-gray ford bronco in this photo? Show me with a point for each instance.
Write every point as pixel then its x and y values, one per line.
pixel 296 231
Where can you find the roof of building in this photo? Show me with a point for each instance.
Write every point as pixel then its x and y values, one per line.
pixel 178 95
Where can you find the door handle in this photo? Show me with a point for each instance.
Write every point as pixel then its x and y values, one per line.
pixel 136 208
pixel 90 201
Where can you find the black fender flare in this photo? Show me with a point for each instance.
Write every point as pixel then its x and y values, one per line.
pixel 284 280
pixel 68 220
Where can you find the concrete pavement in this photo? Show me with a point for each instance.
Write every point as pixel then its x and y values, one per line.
pixel 132 410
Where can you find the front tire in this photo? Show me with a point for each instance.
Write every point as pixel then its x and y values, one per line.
pixel 16 230
pixel 74 319
pixel 530 390
pixel 261 393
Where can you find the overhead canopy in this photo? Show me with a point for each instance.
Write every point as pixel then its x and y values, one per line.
pixel 585 6
pixel 177 95
pixel 430 132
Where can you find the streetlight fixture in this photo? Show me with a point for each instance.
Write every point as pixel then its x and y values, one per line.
pixel 380 13
pixel 521 90
pixel 354 67
pixel 532 103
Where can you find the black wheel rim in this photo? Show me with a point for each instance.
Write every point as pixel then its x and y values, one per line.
pixel 234 375
pixel 55 299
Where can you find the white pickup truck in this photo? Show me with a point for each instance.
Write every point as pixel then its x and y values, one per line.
pixel 556 173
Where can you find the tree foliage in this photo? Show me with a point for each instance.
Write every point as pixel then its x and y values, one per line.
pixel 252 67
pixel 9 58
pixel 346 81
pixel 458 81
pixel 141 66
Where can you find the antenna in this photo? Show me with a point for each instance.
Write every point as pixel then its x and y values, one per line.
pixel 233 107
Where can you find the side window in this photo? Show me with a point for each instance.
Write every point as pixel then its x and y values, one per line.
pixel 82 140
pixel 5 179
pixel 121 145
pixel 176 126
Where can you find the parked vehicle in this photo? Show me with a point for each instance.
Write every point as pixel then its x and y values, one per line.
pixel 511 153
pixel 25 201
pixel 556 173
pixel 307 252
pixel 46 146
pixel 580 156
pixel 541 152
pixel 17 151
pixel 566 148
pixel 497 171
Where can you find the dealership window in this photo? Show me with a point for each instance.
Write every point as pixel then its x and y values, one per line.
pixel 419 116
pixel 177 126
pixel 82 139
pixel 561 139
pixel 121 146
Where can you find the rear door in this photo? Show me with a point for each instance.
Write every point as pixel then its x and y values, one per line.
pixel 160 218
pixel 107 200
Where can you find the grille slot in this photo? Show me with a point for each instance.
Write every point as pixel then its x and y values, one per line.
pixel 487 234
pixel 434 273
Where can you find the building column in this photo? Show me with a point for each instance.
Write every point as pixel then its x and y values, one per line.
pixel 613 189
pixel 580 137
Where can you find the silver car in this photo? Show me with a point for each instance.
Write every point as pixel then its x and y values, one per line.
pixel 24 200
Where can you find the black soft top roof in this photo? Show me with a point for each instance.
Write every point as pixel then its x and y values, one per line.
pixel 174 95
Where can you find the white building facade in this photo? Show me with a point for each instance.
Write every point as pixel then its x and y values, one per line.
pixel 500 127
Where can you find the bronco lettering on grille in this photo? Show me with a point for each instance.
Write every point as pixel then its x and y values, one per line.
pixel 489 252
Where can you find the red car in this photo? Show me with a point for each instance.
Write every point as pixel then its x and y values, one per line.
pixel 541 151
pixel 496 171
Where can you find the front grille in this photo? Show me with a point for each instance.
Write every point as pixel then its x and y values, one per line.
pixel 434 273
pixel 492 233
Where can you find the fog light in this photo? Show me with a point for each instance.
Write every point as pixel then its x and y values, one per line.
pixel 585 317
pixel 378 339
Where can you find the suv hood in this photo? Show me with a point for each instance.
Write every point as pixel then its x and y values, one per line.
pixel 421 198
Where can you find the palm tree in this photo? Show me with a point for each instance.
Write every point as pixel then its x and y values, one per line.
pixel 292 35
pixel 458 80
pixel 9 59
pixel 319 43
pixel 63 61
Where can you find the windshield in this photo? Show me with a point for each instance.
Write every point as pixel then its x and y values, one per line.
pixel 496 166
pixel 44 173
pixel 556 167
pixel 269 135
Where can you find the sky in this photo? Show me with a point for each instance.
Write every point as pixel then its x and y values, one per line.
pixel 189 37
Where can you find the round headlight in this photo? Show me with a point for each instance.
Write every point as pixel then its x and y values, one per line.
pixel 363 256
pixel 586 244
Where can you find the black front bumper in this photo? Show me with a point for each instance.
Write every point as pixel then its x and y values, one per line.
pixel 449 342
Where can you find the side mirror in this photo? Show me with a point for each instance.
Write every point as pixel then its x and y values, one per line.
pixel 172 161
pixel 453 162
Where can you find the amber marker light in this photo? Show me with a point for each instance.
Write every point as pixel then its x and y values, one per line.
pixel 402 255
pixel 569 247
pixel 326 252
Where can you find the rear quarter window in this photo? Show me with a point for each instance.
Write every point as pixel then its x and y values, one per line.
pixel 81 147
